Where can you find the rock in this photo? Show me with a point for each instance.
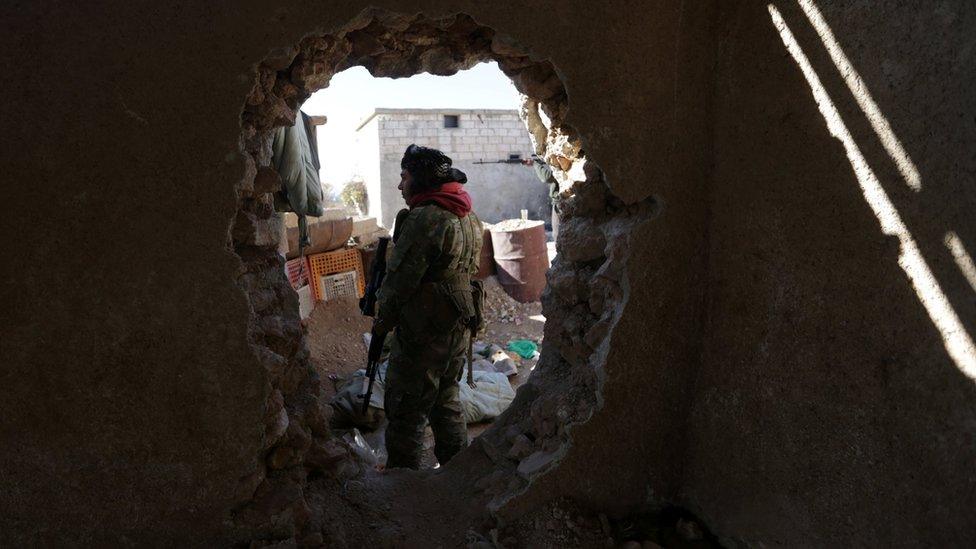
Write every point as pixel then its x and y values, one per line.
pixel 598 332
pixel 298 436
pixel 512 432
pixel 279 426
pixel 505 46
pixel 325 456
pixel 521 448
pixel 249 229
pixel 581 240
pixel 281 457
pixel 262 300
pixel 689 530
pixel 250 483
pixel 266 180
pixel 648 544
pixel 630 545
pixel 280 58
pixel 535 463
pixel 273 362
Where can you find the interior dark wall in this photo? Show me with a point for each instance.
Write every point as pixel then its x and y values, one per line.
pixel 807 398
pixel 772 369
pixel 826 393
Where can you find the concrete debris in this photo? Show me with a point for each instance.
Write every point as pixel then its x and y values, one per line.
pixel 535 463
pixel 522 447
pixel 689 530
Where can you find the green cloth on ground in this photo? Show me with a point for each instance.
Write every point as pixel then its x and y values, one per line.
pixel 523 348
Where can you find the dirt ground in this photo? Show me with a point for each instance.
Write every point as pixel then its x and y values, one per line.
pixel 335 342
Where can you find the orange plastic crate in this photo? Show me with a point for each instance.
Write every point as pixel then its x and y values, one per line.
pixel 338 261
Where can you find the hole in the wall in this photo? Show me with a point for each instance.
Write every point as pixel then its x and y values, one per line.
pixel 370 123
pixel 582 302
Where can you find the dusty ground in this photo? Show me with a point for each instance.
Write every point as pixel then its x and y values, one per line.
pixel 335 340
pixel 337 350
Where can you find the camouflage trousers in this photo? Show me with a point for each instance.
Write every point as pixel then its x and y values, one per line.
pixel 422 386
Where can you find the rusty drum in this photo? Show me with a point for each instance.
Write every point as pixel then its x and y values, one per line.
pixel 521 258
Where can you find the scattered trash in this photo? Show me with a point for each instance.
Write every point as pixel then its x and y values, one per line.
pixel 362 449
pixel 496 356
pixel 523 347
pixel 488 400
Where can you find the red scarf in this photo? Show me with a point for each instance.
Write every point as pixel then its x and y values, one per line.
pixel 450 196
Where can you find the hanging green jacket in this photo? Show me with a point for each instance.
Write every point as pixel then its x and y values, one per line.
pixel 296 161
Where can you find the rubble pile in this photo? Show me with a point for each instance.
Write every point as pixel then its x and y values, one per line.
pixel 501 308
pixel 516 224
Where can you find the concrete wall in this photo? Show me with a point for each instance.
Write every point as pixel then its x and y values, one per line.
pixel 368 165
pixel 499 191
pixel 773 367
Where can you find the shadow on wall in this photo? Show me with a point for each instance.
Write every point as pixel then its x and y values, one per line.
pixel 956 338
pixel 839 358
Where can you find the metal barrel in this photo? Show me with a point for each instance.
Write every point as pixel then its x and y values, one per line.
pixel 521 260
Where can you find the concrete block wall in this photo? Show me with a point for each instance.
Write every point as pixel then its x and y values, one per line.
pixel 499 191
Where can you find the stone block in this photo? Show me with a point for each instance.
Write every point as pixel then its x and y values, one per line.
pixel 250 230
pixel 535 463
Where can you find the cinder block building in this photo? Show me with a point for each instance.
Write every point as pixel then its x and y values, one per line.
pixel 499 190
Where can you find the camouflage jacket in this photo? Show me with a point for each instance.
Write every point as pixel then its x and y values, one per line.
pixel 427 286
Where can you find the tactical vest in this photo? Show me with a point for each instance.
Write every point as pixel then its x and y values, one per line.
pixel 444 297
pixel 461 263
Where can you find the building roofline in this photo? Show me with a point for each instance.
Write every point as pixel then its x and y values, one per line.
pixel 379 111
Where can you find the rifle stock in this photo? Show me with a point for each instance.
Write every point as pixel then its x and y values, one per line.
pixel 505 161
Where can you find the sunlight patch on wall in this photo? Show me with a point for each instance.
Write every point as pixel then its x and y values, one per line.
pixel 957 341
pixel 863 97
pixel 963 260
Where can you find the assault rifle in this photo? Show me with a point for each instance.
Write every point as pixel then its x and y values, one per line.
pixel 367 305
pixel 372 364
pixel 505 161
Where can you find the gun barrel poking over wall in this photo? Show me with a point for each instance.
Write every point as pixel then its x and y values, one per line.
pixel 505 161
pixel 367 305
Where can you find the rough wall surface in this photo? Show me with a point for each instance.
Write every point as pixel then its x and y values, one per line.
pixel 769 363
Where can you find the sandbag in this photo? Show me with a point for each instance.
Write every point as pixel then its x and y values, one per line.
pixel 347 404
pixel 490 397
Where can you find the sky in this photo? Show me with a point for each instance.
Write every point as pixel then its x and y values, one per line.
pixel 354 93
